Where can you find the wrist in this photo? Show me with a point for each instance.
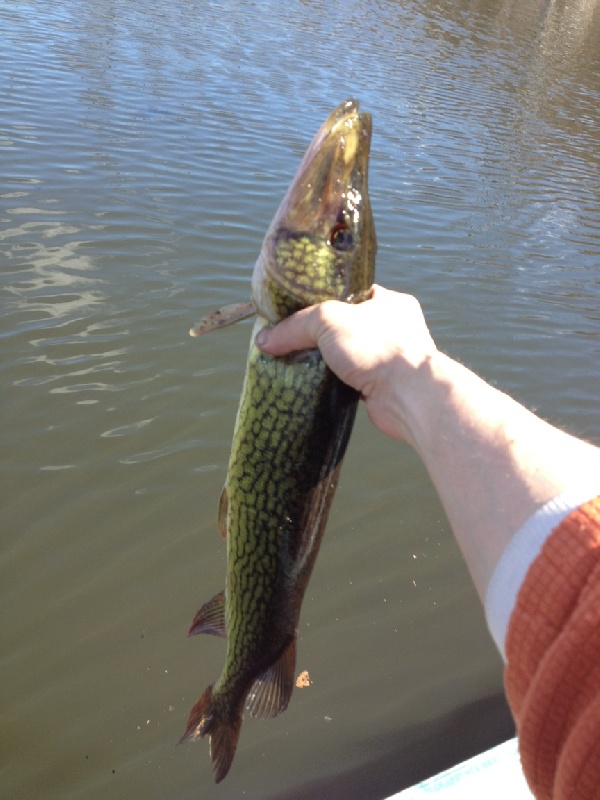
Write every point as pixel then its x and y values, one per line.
pixel 420 391
pixel 403 398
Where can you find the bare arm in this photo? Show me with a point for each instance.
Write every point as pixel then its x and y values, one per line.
pixel 492 462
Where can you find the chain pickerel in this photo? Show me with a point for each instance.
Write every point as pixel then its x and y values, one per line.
pixel 291 432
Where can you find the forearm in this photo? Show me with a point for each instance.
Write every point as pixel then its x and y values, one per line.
pixel 492 462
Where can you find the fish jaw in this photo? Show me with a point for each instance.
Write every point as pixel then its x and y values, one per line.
pixel 321 243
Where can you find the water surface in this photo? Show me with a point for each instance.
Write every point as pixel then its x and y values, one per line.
pixel 144 150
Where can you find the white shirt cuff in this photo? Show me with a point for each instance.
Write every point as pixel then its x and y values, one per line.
pixel 522 550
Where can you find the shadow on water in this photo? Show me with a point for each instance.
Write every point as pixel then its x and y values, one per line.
pixel 416 753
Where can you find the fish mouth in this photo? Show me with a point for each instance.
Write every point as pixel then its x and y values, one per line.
pixel 332 174
pixel 321 243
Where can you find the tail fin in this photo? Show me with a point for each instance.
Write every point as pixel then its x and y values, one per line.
pixel 204 720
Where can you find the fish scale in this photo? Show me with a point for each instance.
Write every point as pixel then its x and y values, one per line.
pixel 292 428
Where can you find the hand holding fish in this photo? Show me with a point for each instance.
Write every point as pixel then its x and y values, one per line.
pixel 518 493
pixel 492 462
pixel 376 347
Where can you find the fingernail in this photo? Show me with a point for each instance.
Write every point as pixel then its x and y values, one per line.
pixel 261 338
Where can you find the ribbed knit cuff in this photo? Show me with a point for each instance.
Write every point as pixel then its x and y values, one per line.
pixel 521 551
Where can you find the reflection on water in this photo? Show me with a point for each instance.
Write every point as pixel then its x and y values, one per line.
pixel 144 151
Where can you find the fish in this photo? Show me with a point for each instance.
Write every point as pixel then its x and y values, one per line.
pixel 291 432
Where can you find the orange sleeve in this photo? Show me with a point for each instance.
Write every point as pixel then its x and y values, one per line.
pixel 552 675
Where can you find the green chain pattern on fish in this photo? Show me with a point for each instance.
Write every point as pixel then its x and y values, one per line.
pixel 291 433
pixel 275 462
pixel 307 267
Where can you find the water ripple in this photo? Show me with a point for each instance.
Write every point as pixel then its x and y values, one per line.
pixel 127 430
pixel 145 147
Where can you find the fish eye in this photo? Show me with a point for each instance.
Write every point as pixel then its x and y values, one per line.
pixel 341 237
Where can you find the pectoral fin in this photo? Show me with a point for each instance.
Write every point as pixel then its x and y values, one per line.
pixel 228 315
pixel 211 617
pixel 271 692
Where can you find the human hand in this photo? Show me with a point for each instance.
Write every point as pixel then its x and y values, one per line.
pixel 376 347
pixel 492 462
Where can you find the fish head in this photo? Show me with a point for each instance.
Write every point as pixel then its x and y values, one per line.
pixel 321 243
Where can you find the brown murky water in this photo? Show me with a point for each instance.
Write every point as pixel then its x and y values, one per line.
pixel 144 148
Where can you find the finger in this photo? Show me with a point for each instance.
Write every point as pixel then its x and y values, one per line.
pixel 298 332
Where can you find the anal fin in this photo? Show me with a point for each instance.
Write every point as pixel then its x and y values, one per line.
pixel 270 693
pixel 211 617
